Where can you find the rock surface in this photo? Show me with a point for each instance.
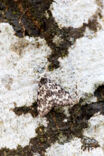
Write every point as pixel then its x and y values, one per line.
pixel 63 40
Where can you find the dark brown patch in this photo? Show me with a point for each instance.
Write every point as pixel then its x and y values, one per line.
pixel 99 93
pixel 93 21
pixel 28 18
pixel 19 46
pixel 74 126
pixel 24 110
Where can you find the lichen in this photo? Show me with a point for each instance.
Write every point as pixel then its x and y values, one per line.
pixel 28 18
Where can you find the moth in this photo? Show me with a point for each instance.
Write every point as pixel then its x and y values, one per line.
pixel 51 95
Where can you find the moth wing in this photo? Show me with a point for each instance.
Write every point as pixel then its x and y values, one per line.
pixel 60 97
pixel 51 94
pixel 44 100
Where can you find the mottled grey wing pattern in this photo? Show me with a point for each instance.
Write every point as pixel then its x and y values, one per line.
pixel 51 95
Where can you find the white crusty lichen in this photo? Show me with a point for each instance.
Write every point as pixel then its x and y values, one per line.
pixel 23 62
pixel 73 12
pixel 82 71
pixel 20 63
pixel 84 68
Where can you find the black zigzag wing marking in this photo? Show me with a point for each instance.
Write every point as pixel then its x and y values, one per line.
pixel 50 95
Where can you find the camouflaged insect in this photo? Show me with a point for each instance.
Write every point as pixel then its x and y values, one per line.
pixel 51 95
pixel 89 143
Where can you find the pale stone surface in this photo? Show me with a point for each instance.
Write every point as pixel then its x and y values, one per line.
pixel 73 12
pixel 20 62
pixel 83 66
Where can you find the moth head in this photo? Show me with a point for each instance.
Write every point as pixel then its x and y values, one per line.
pixel 43 80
